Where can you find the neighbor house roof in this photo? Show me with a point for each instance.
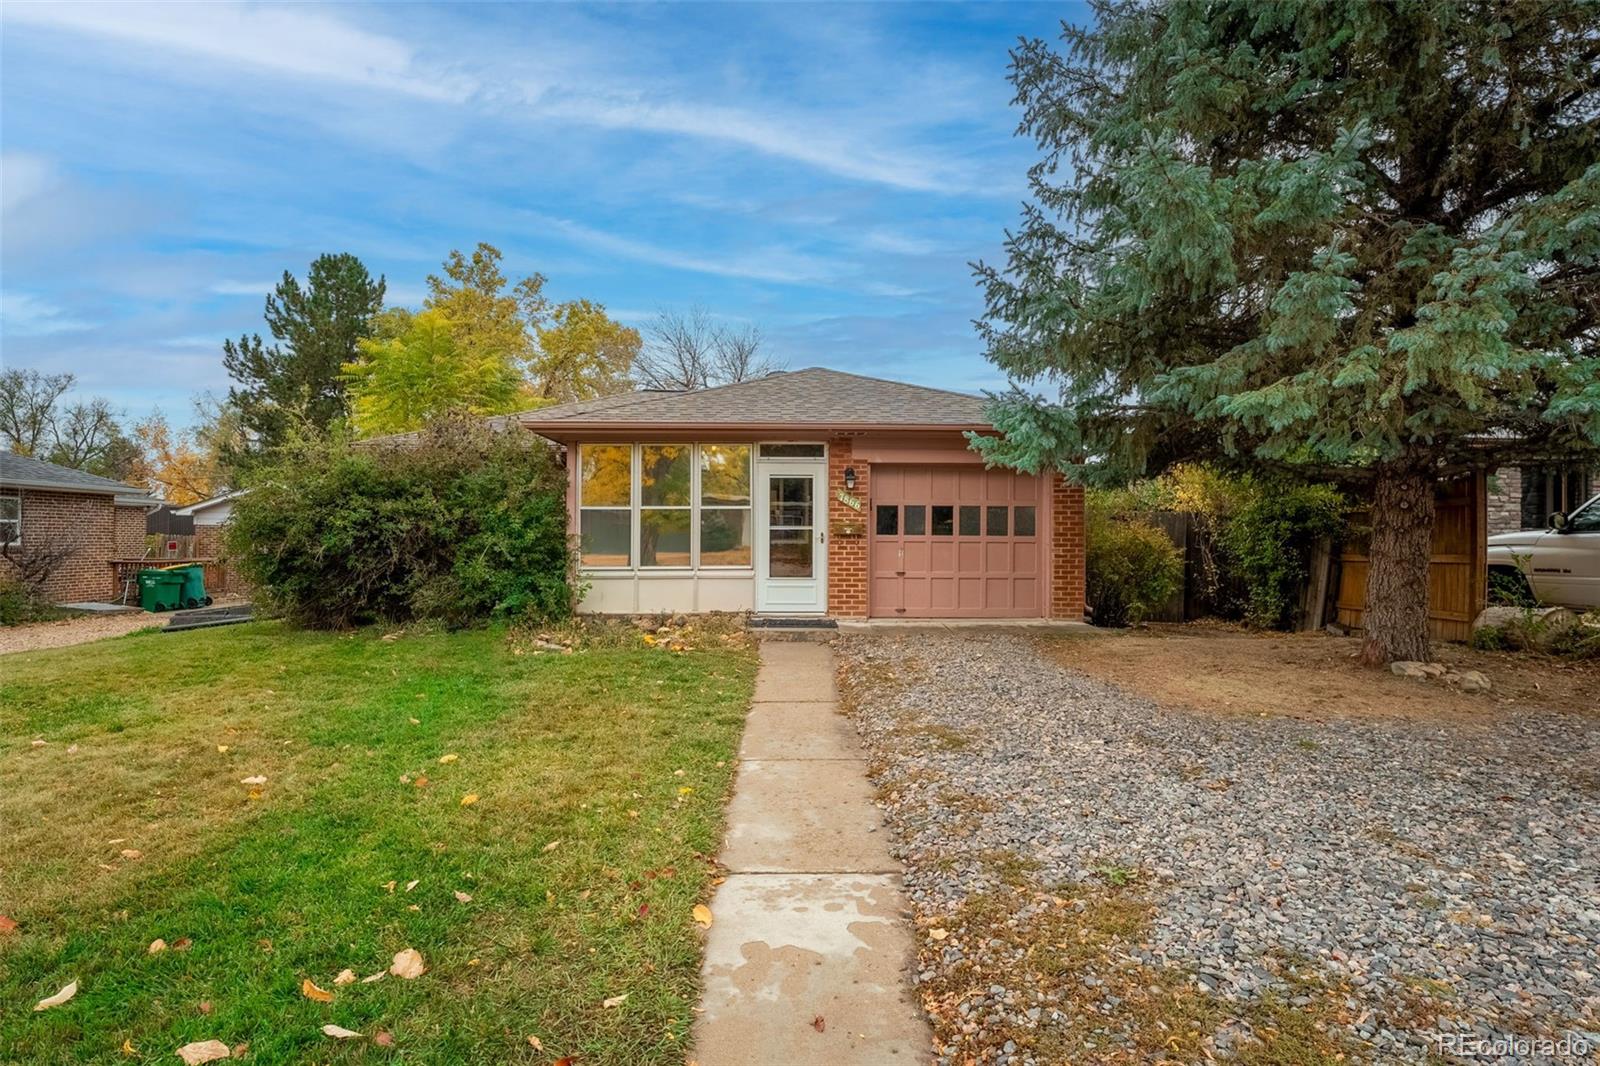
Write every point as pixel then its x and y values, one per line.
pixel 215 501
pixel 812 397
pixel 26 472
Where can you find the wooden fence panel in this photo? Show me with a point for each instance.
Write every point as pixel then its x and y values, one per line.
pixel 1457 571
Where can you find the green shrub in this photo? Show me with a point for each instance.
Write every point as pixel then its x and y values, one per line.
pixel 19 604
pixel 1131 566
pixel 1267 542
pixel 462 525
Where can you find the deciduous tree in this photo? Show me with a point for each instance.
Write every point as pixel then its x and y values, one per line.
pixel 402 383
pixel 582 353
pixel 28 408
pixel 686 350
pixel 1359 241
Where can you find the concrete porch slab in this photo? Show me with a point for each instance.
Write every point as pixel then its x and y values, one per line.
pixel 787 950
pixel 798 731
pixel 805 817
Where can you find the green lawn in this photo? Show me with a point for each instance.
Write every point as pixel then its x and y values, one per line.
pixel 601 777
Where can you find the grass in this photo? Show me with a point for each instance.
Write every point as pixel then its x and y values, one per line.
pixel 601 777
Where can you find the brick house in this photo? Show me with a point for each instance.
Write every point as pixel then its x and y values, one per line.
pixel 98 519
pixel 210 519
pixel 813 492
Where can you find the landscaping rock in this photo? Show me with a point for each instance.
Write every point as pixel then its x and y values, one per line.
pixel 1410 668
pixel 1473 681
pixel 1431 875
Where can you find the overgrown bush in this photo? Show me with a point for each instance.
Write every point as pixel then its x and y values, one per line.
pixel 461 525
pixel 1267 542
pixel 19 603
pixel 1131 566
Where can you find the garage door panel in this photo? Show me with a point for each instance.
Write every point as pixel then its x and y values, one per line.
pixel 951 542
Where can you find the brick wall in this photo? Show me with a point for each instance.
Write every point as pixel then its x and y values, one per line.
pixel 130 536
pixel 208 544
pixel 847 535
pixel 89 524
pixel 1066 549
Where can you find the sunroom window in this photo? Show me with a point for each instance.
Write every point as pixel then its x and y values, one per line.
pixel 665 506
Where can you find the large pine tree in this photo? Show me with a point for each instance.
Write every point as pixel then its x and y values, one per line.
pixel 1354 239
pixel 299 379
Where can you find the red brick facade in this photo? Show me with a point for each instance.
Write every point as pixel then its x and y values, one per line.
pixel 1066 549
pixel 94 526
pixel 847 534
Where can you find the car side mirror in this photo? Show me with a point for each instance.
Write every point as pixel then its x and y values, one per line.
pixel 1558 521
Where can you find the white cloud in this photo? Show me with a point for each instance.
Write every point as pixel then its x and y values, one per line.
pixel 883 240
pixel 768 264
pixel 295 41
pixel 23 177
pixel 26 315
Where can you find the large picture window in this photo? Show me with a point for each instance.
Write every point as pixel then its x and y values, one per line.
pixel 605 505
pixel 665 506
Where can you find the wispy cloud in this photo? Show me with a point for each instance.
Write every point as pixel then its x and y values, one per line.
pixel 768 264
pixel 242 288
pixel 26 315
pixel 297 41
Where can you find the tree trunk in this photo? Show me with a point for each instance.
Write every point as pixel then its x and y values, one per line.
pixel 1396 617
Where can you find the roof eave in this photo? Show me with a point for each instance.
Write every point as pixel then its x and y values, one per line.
pixel 545 428
pixel 56 486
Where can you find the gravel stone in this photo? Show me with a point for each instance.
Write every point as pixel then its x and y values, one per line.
pixel 1393 853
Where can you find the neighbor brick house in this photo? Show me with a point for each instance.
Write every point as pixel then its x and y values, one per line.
pixel 811 493
pixel 98 519
pixel 1522 497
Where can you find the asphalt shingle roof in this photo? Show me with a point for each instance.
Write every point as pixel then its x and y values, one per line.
pixel 812 396
pixel 25 471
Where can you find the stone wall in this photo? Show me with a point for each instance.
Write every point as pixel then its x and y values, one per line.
pixel 1505 500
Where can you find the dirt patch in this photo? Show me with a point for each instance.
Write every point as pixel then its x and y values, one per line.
pixel 1314 676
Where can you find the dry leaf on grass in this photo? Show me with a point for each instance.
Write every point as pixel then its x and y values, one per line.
pixel 346 977
pixel 413 884
pixel 72 749
pixel 463 897
pixel 938 934
pixel 452 757
pixel 7 925
pixel 702 915
pixel 68 990
pixel 132 854
pixel 421 781
pixel 183 943
pixel 553 845
pixel 535 1043
pixel 157 946
pixel 469 799
pixel 614 1001
pixel 38 743
pixel 203 1051
pixel 309 989
pixel 128 1049
pixel 222 749
pixel 372 978
pixel 339 1032
pixel 383 1038
pixel 408 964
pixel 258 779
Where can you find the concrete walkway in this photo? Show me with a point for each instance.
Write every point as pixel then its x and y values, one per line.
pixel 808 958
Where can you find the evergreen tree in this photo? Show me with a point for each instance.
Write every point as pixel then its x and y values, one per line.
pixel 1356 240
pixel 297 381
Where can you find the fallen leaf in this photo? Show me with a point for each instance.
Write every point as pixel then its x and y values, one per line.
pixel 383 1038
pixel 469 799
pixel 820 1024
pixel 413 884
pixel 68 990
pixel 157 946
pixel 7 925
pixel 241 1050
pixel 258 779
pixel 416 721
pixel 346 977
pixel 938 934
pixel 255 794
pixel 702 915
pixel 72 749
pixel 414 907
pixel 553 845
pixel 565 1061
pixel 309 989
pixel 183 943
pixel 132 854
pixel 205 1006
pixel 463 897
pixel 222 749
pixel 452 757
pixel 374 977
pixel 128 1048
pixel 644 909
pixel 203 1051
pixel 535 1043
pixel 339 1032
pixel 614 1001
pixel 390 886
pixel 408 964
pixel 421 781
pixel 38 743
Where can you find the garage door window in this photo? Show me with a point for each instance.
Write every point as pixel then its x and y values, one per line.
pixel 916 520
pixel 944 521
pixel 970 524
pixel 997 521
pixel 1022 521
pixel 888 519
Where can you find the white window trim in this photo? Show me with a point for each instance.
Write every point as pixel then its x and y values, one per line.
pixel 636 508
pixel 17 521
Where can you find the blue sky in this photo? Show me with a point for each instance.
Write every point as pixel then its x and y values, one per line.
pixel 823 172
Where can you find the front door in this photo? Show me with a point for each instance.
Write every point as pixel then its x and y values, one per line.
pixel 791 556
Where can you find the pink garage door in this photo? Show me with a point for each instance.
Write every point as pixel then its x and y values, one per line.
pixel 955 542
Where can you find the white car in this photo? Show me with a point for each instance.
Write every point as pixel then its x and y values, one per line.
pixel 1560 565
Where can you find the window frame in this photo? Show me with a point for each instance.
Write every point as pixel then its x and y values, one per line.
pixel 16 538
pixel 695 508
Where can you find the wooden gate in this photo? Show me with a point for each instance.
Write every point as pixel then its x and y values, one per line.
pixel 1457 573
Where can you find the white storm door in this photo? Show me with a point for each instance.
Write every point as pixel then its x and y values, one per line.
pixel 791 553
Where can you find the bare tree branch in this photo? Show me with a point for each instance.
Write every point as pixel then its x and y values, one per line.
pixel 686 350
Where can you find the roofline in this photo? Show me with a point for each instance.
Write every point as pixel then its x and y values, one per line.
pixel 56 486
pixel 201 505
pixel 545 429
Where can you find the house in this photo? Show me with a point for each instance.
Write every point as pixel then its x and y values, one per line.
pixel 811 493
pixel 1523 497
pixel 92 520
pixel 210 517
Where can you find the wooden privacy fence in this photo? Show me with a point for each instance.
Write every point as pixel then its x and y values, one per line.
pixel 1458 573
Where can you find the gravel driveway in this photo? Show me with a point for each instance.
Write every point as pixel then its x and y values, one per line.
pixel 1417 877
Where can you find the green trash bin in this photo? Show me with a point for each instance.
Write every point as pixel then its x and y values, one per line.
pixel 194 584
pixel 160 590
